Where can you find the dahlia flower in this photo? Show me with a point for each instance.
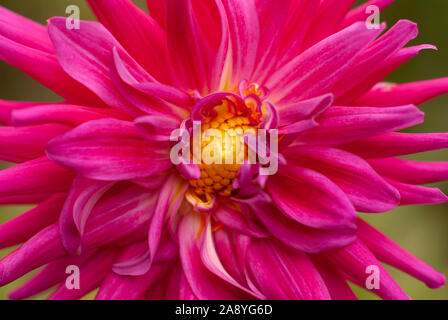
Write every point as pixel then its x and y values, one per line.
pixel 110 200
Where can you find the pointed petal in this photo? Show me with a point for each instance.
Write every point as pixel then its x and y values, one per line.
pixel 108 149
pixel 367 190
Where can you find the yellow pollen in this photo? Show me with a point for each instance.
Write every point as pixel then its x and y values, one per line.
pixel 218 178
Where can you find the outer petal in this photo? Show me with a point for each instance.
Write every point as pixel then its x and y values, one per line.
pixel 139 34
pixel 245 35
pixel 204 283
pixel 30 52
pixel 386 95
pixel 354 259
pixel 367 190
pixel 26 225
pixel 382 49
pixel 67 114
pixel 26 143
pixel 92 45
pixel 397 144
pixel 297 235
pixel 282 273
pixel 33 181
pixel 315 71
pixel 389 252
pixel 359 13
pixel 339 125
pixel 412 195
pixel 108 150
pixel 409 171
pixel 316 202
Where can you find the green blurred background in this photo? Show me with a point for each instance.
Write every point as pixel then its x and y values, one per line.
pixel 419 229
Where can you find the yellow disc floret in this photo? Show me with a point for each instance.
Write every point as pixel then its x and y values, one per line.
pixel 219 177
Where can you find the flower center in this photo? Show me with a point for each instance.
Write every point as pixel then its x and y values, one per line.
pixel 223 150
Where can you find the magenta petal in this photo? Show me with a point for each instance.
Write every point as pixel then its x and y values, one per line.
pixel 304 109
pixel 412 195
pixel 245 36
pixel 81 199
pixel 139 34
pixel 409 171
pixel 283 273
pixel 92 44
pixel 359 13
pixel 236 220
pixel 317 202
pixel 389 252
pixel 339 125
pixel 367 190
pixel 168 202
pixel 24 259
pixel 26 225
pixel 32 180
pixel 110 150
pixel 51 275
pixel 92 273
pixel 386 95
pixel 204 283
pixel 315 71
pixel 61 113
pixel 20 144
pixel 299 236
pixel 383 48
pixel 354 259
pixel 7 107
pixel 397 144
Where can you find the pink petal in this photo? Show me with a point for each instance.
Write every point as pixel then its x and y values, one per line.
pixel 203 282
pixel 382 70
pixel 413 195
pixel 396 144
pixel 367 190
pixel 328 19
pixel 392 254
pixel 92 274
pixel 409 93
pixel 7 107
pixel 304 109
pixel 92 44
pixel 236 220
pixel 354 259
pixel 17 28
pixel 282 273
pixel 137 32
pixel 33 180
pixel 67 114
pixel 359 13
pixel 41 249
pixel 409 171
pixel 272 17
pixel 81 199
pixel 315 71
pixel 23 227
pixel 299 236
pixel 108 149
pixel 339 125
pixel 382 49
pixel 51 275
pixel 188 48
pixel 168 202
pixel 297 27
pixel 316 202
pixel 158 10
pixel 44 68
pixel 26 143
pixel 245 37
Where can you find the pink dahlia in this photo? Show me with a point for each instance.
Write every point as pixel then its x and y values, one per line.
pixel 111 200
